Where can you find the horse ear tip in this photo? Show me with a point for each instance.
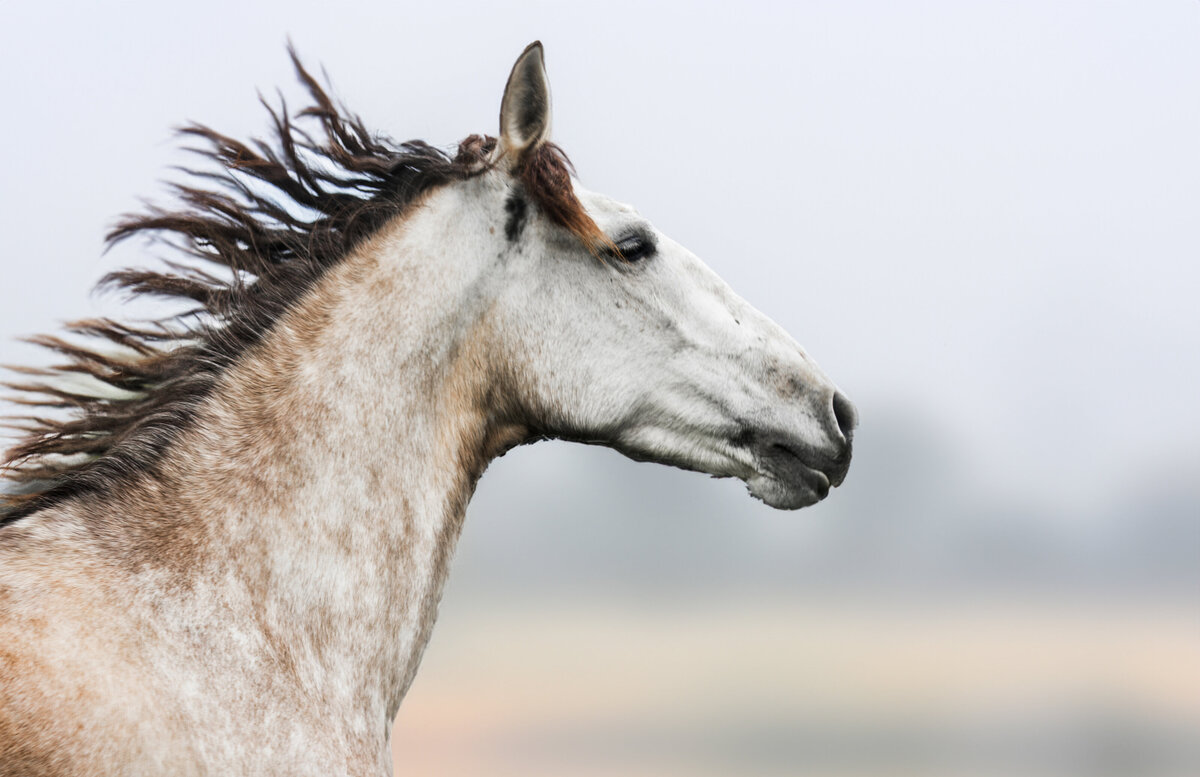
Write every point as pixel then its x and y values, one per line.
pixel 534 49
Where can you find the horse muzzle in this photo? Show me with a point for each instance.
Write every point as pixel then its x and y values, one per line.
pixel 797 469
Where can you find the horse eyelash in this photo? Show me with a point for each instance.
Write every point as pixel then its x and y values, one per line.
pixel 645 247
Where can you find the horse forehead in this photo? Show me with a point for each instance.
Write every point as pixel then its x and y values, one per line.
pixel 602 205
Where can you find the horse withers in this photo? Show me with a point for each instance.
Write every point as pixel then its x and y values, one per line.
pixel 223 554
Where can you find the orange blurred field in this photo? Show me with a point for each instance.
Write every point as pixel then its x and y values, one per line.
pixel 785 687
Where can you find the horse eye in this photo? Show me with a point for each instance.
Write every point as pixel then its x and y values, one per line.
pixel 634 248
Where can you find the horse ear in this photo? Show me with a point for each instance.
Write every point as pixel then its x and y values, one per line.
pixel 525 109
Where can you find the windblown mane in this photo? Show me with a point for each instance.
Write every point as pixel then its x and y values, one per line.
pixel 251 237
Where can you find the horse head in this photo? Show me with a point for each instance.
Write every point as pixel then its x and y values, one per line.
pixel 611 333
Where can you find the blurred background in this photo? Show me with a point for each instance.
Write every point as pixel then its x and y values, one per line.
pixel 980 218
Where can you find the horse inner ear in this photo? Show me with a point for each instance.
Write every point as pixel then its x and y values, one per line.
pixel 525 109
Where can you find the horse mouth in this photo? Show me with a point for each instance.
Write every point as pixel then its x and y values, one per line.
pixel 792 467
pixel 791 475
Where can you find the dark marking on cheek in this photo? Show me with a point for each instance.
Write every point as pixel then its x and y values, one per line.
pixel 517 208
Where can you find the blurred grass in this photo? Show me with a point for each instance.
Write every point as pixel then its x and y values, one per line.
pixel 838 686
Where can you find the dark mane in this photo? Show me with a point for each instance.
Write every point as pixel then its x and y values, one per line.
pixel 251 237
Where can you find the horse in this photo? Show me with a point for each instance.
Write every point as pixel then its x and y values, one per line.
pixel 225 531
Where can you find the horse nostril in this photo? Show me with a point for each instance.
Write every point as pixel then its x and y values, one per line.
pixel 844 412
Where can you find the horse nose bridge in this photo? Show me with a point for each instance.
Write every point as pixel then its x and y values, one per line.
pixel 795 392
pixel 794 376
pixel 804 398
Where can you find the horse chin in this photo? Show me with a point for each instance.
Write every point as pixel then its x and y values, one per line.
pixel 789 494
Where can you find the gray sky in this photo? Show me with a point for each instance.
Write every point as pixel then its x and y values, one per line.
pixel 980 218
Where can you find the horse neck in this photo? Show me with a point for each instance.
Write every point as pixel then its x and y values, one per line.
pixel 326 479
